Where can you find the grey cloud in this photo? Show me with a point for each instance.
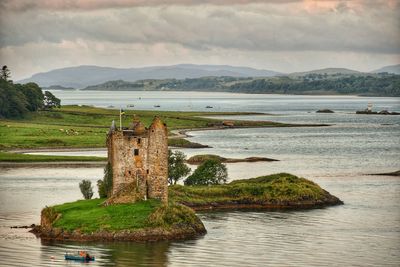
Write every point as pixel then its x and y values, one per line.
pixel 79 5
pixel 25 5
pixel 260 28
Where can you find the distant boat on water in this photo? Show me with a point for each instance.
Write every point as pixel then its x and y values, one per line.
pixel 130 106
pixel 209 107
pixel 157 106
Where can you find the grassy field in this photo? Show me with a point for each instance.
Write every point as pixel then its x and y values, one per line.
pixel 275 188
pixel 90 216
pixel 84 126
pixel 17 157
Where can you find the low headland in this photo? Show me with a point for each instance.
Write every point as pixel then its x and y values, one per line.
pixel 382 112
pixel 86 126
pixel 395 173
pixel 198 159
pixel 72 127
pixel 91 220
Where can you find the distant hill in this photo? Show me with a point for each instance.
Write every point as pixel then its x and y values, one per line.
pixel 57 87
pixel 83 76
pixel 381 84
pixel 389 69
pixel 211 83
pixel 328 71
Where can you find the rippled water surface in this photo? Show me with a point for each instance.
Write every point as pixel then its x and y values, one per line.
pixel 363 232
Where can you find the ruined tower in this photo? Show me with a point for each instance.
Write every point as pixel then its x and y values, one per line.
pixel 139 160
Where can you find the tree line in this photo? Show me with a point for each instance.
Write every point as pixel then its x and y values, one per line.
pixel 381 85
pixel 17 100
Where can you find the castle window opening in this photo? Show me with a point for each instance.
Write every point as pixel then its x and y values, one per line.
pixel 138 141
pixel 136 152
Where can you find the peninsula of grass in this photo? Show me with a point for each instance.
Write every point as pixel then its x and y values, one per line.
pixel 199 159
pixel 18 157
pixel 84 126
pixel 90 220
pixel 277 191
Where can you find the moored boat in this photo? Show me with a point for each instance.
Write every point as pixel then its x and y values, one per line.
pixel 80 256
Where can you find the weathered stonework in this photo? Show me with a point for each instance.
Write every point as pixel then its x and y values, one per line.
pixel 139 160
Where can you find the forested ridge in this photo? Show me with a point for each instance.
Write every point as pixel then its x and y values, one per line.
pixel 382 84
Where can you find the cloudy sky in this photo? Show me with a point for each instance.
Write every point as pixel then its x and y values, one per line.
pixel 281 35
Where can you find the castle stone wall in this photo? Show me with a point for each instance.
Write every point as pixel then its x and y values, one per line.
pixel 139 160
pixel 158 160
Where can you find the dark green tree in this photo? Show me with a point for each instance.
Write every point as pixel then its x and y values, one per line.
pixel 33 94
pixel 13 103
pixel 101 189
pixel 108 179
pixel 177 169
pixel 50 101
pixel 210 172
pixel 86 189
pixel 5 73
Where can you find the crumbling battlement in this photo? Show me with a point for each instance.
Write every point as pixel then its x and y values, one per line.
pixel 139 160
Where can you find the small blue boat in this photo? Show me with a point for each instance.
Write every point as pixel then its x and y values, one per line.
pixel 80 256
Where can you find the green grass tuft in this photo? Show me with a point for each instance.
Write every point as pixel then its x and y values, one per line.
pixel 90 216
pixel 168 215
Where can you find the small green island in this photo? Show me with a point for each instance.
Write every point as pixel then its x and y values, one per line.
pixel 91 220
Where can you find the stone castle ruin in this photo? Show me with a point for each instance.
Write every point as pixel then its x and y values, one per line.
pixel 139 160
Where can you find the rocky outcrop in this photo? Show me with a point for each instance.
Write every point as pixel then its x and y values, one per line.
pixel 328 200
pixel 198 159
pixel 325 111
pixel 382 112
pixel 149 234
pixel 48 217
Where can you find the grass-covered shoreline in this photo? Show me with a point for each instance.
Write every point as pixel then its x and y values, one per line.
pixel 199 159
pixel 85 126
pixel 19 157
